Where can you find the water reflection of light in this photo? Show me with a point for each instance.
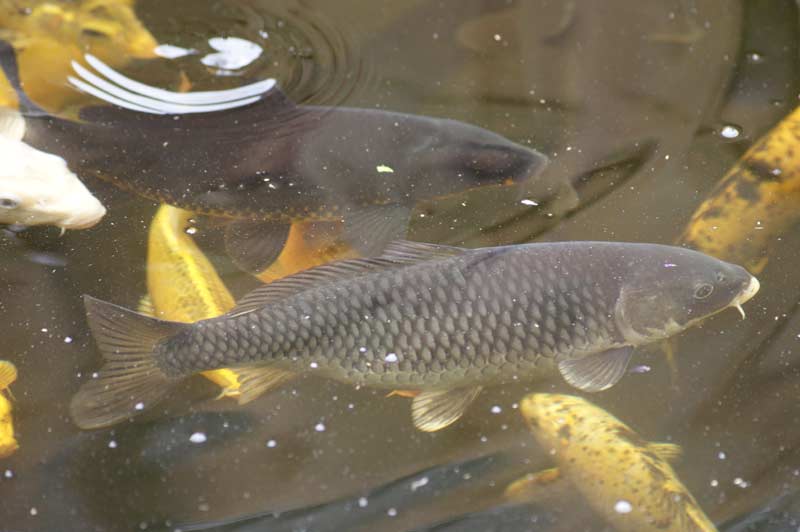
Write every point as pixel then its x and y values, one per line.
pixel 233 53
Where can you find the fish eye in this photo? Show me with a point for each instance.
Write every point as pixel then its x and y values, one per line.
pixel 92 33
pixel 703 291
pixel 9 203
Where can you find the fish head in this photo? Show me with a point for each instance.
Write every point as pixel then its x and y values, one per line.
pixel 37 188
pixel 110 29
pixel 668 289
pixel 456 157
pixel 556 419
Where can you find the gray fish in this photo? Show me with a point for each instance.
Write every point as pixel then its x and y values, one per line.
pixel 270 163
pixel 440 320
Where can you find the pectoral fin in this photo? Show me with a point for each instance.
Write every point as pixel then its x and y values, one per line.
pixel 437 409
pixel 369 230
pixel 531 486
pixel 253 246
pixel 8 374
pixel 256 379
pixel 598 372
pixel 666 451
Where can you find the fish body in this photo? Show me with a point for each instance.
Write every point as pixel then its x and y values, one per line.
pixel 273 162
pixel 8 443
pixel 442 320
pixel 37 188
pixel 181 282
pixel 626 479
pixel 754 203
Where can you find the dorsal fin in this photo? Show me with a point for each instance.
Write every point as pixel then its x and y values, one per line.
pixel 399 254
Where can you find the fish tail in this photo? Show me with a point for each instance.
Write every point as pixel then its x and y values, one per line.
pixel 131 380
pixel 10 66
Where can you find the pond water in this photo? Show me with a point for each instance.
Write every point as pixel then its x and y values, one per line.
pixel 641 108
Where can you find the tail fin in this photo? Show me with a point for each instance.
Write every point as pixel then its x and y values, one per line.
pixel 8 62
pixel 130 381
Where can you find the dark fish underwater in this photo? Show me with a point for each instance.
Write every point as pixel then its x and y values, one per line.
pixel 272 162
pixel 440 320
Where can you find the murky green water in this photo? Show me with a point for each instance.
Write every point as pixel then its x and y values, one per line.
pixel 628 99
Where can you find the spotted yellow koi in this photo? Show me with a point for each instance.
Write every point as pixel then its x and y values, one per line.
pixel 625 479
pixel 8 443
pixel 754 203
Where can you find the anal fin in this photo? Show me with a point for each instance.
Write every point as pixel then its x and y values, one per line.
pixel 436 409
pixel 531 486
pixel 254 245
pixel 256 379
pixel 598 372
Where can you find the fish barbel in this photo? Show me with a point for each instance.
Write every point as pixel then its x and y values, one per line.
pixel 442 320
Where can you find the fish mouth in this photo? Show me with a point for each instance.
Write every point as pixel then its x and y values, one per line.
pixel 749 291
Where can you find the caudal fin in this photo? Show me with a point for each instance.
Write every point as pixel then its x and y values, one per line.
pixel 130 381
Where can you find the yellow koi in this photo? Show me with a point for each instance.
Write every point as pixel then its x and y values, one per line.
pixel 8 444
pixel 182 284
pixel 625 479
pixel 49 35
pixel 754 203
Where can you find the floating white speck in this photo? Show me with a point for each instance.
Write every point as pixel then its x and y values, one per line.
pixel 191 230
pixel 8 473
pixel 721 455
pixel 740 482
pixel 643 368
pixel 391 358
pixel 383 169
pixel 362 502
pixel 34 511
pixel 730 132
pixel 314 365
pixel 496 409
pixel 498 37
pixel 272 444
pixel 776 171
pixel 714 483
pixel 169 51
pixel 391 512
pixel 529 202
pixel 319 427
pixel 112 444
pixel 139 406
pixel 198 437
pixel 417 484
pixel 362 349
pixel 623 507
pixel 68 339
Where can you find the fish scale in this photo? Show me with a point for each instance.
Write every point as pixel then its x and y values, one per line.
pixel 407 312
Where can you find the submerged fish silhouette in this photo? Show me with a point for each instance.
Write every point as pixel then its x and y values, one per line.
pixel 446 321
pixel 270 162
